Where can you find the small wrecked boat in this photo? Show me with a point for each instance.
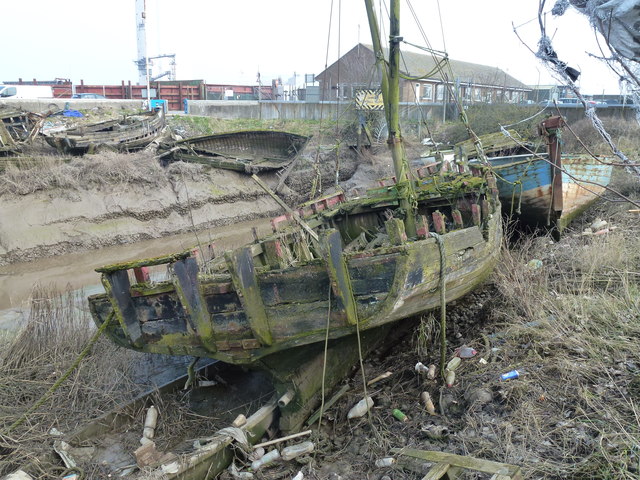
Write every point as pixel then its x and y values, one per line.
pixel 132 132
pixel 548 190
pixel 247 151
pixel 541 190
pixel 16 128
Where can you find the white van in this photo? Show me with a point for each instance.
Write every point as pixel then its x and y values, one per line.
pixel 26 91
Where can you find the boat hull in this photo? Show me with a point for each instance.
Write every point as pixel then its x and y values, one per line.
pixel 255 311
pixel 250 151
pixel 525 185
pixel 129 134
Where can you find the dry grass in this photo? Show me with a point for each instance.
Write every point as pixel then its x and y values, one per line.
pixel 57 330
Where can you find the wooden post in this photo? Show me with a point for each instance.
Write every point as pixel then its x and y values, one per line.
pixel 187 287
pixel 439 223
pixel 339 274
pixel 423 227
pixel 245 282
pixel 396 232
pixel 457 219
pixel 476 214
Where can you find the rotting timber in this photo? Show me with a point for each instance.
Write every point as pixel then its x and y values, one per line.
pixel 331 269
pixel 244 151
pixel 16 128
pixel 132 132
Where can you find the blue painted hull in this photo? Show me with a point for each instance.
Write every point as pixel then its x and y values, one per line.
pixel 526 192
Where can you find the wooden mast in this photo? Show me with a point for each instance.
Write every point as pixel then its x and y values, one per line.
pixel 390 86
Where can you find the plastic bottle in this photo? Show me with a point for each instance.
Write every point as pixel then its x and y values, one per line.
pixel 294 451
pixel 425 398
pixel 454 363
pixel 449 377
pixel 385 462
pixel 268 458
pixel 150 422
pixel 431 374
pixel 360 408
pixel 466 352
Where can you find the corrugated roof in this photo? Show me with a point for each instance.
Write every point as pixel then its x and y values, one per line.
pixel 418 64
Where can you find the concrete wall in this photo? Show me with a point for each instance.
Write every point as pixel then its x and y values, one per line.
pixel 44 104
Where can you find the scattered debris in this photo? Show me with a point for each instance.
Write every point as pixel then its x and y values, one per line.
pixel 513 374
pixel 360 408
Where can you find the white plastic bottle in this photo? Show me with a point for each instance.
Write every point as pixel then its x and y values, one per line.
pixel 360 408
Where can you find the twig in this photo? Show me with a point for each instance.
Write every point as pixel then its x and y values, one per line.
pixel 283 439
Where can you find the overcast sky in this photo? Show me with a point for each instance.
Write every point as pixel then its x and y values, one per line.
pixel 229 42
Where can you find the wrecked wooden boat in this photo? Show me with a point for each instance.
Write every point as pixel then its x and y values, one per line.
pixel 354 267
pixel 16 128
pixel 548 190
pixel 132 132
pixel 246 151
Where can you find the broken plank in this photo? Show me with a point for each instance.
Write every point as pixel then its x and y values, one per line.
pixel 486 466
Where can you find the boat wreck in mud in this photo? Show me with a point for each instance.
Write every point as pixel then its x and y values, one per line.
pixel 548 190
pixel 16 128
pixel 132 132
pixel 246 151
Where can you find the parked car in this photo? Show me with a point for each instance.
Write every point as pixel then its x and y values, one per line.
pixel 93 96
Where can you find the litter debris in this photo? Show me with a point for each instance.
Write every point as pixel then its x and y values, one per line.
pixel 71 476
pixel 268 458
pixel 257 454
pixel 453 363
pixel 235 473
pixel 360 408
pixel 239 421
pixel 431 374
pixel 385 462
pixel 598 224
pixel 18 475
pixel 425 398
pixel 534 264
pixel 483 361
pixel 421 368
pixel 399 415
pixel 449 377
pixel 380 377
pixel 299 476
pixel 437 432
pixel 54 432
pixel 466 352
pixel 62 449
pixel 150 422
pixel 147 455
pixel 513 374
pixel 282 439
pixel 293 451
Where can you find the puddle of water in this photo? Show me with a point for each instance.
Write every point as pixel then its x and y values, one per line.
pixel 76 271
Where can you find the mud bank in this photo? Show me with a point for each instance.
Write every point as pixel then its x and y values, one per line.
pixel 55 221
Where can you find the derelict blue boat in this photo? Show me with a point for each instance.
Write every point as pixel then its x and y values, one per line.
pixel 548 190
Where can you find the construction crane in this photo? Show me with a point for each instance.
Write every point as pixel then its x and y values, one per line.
pixel 143 62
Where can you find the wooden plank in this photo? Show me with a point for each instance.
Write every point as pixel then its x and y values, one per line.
pixel 117 286
pixel 295 215
pixel 339 274
pixel 436 472
pixel 243 276
pixel 187 287
pixel 486 466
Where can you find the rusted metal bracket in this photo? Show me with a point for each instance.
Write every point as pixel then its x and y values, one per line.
pixel 243 276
